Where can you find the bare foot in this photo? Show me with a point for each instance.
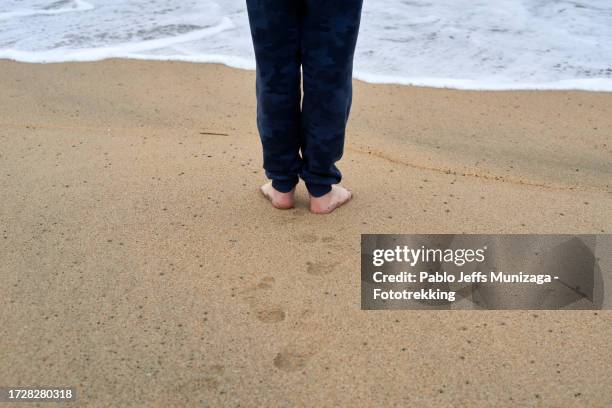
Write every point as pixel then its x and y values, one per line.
pixel 330 201
pixel 282 201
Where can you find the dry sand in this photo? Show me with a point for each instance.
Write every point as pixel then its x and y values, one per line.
pixel 139 264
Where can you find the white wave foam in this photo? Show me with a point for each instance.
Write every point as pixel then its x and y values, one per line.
pixel 77 5
pixel 585 84
pixel 466 44
pixel 125 50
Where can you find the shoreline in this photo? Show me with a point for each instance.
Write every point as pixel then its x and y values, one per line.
pixel 569 85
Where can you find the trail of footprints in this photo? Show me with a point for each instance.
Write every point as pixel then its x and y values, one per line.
pixel 259 302
pixel 321 268
pixel 291 357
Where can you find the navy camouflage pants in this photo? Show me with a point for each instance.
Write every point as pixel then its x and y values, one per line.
pixel 307 43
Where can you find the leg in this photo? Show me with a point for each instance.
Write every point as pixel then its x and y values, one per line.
pixel 329 35
pixel 275 30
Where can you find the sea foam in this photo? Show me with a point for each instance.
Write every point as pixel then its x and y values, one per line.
pixel 466 44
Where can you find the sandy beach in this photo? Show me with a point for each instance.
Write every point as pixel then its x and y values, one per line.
pixel 140 265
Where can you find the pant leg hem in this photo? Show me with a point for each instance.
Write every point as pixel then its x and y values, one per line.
pixel 284 186
pixel 318 190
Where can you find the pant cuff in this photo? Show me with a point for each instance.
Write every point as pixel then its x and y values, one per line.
pixel 318 190
pixel 284 186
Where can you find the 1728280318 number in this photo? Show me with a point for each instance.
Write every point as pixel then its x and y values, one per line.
pixel 37 394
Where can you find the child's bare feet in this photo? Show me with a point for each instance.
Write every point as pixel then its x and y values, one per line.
pixel 282 201
pixel 330 201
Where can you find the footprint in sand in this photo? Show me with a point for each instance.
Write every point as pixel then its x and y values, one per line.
pixel 265 283
pixel 292 359
pixel 258 300
pixel 196 388
pixel 270 315
pixel 320 268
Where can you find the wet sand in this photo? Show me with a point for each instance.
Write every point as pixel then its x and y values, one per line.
pixel 140 264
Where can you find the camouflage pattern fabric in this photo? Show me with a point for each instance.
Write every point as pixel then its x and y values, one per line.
pixel 309 43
